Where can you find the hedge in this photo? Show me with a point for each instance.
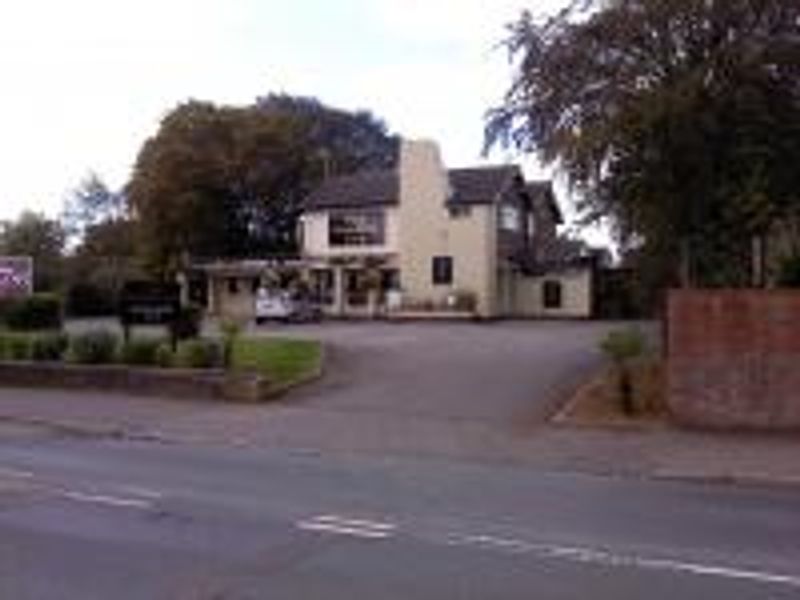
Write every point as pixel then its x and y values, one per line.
pixel 31 313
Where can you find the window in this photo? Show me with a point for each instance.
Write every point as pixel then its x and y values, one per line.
pixel 552 293
pixel 233 286
pixel 356 286
pixel 357 229
pixel 390 280
pixel 459 212
pixel 442 267
pixel 509 217
pixel 322 281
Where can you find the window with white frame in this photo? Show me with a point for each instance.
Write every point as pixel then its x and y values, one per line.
pixel 357 228
pixel 509 217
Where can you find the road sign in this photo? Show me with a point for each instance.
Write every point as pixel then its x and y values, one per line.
pixel 16 276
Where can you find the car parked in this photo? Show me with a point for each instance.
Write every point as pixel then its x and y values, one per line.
pixel 286 307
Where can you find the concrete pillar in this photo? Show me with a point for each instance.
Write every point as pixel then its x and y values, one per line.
pixel 338 291
pixel 211 295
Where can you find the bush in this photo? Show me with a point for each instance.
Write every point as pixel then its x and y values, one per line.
pixel 789 274
pixel 15 346
pixel 624 344
pixel 93 348
pixel 187 323
pixel 164 356
pixel 621 347
pixel 48 346
pixel 140 351
pixel 39 311
pixel 231 329
pixel 198 354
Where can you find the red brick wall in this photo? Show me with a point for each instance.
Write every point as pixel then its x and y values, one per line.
pixel 734 358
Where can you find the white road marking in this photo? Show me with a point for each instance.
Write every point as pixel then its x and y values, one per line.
pixel 346 526
pixel 114 501
pixel 607 558
pixel 379 525
pixel 142 492
pixel 15 473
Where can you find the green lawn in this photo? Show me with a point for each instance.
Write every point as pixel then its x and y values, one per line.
pixel 282 360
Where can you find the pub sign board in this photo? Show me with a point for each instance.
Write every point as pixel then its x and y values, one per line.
pixel 149 303
pixel 16 276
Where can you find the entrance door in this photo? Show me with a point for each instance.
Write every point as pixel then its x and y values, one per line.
pixel 356 286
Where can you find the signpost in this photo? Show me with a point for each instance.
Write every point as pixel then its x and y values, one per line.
pixel 16 276
pixel 149 303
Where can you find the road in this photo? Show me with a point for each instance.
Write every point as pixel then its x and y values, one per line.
pixel 95 519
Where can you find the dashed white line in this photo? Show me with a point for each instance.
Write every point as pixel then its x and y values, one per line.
pixel 142 492
pixel 610 559
pixel 336 524
pixel 114 501
pixel 15 473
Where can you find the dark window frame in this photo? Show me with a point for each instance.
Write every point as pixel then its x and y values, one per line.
pixel 442 270
pixel 552 294
pixel 232 285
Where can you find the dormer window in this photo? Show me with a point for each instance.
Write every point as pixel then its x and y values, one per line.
pixel 509 217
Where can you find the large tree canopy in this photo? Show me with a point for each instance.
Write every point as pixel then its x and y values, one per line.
pixel 228 181
pixel 34 235
pixel 678 119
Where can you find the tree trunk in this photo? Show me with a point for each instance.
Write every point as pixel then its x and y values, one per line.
pixel 686 263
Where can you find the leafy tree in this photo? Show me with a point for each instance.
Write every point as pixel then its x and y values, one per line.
pixel 92 203
pixel 229 181
pixel 678 119
pixel 34 235
pixel 102 249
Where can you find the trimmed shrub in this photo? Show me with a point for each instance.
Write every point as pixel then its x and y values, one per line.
pixel 164 356
pixel 140 351
pixel 15 346
pixel 187 323
pixel 48 346
pixel 93 348
pixel 36 312
pixel 198 354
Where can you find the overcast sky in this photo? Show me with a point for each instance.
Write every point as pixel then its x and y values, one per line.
pixel 85 82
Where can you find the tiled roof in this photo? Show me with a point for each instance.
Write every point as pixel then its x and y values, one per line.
pixel 478 185
pixel 366 188
pixel 542 191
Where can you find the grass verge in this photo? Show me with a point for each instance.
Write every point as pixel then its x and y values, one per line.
pixel 283 361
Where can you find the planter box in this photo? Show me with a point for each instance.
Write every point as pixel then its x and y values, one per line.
pixel 194 384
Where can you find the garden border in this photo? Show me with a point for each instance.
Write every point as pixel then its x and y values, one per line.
pixel 192 384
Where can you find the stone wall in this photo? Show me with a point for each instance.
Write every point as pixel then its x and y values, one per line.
pixel 734 358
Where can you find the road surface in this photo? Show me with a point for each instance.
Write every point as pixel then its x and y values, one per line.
pixel 95 519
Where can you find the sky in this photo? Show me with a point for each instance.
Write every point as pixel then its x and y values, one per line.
pixel 86 82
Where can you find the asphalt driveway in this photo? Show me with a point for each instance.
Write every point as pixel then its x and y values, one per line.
pixel 505 372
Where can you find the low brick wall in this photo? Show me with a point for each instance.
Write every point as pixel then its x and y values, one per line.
pixel 734 358
pixel 190 384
